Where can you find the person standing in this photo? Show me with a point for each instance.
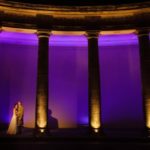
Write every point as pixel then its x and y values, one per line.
pixel 20 115
pixel 12 129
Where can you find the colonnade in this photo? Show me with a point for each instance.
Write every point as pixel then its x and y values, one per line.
pixel 94 94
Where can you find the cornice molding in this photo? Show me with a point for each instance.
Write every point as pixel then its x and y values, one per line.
pixel 74 11
pixel 74 8
pixel 75 18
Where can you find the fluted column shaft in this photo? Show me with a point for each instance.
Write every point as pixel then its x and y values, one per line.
pixel 145 73
pixel 42 83
pixel 93 81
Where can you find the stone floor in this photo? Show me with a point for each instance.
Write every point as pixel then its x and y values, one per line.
pixel 76 139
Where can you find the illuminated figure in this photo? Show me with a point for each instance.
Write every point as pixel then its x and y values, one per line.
pixel 12 129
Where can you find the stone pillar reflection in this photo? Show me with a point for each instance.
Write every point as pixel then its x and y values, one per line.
pixel 93 81
pixel 145 73
pixel 41 121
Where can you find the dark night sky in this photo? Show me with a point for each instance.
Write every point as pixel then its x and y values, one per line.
pixel 80 2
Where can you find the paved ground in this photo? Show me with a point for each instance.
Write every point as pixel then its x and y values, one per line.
pixel 76 139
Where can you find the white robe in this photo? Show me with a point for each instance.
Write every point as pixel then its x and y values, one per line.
pixel 12 129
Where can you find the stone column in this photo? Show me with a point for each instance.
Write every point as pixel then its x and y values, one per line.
pixel 93 82
pixel 145 73
pixel 41 121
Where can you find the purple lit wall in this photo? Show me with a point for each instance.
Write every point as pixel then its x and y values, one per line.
pixel 4 86
pixel 68 79
pixel 18 54
pixel 121 104
pixel 67 74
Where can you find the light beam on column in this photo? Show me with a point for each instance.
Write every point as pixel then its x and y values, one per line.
pixel 143 36
pixel 94 81
pixel 42 84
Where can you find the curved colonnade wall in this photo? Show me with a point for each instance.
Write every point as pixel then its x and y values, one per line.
pixel 119 62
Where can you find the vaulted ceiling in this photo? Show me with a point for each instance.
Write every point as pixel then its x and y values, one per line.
pixel 80 2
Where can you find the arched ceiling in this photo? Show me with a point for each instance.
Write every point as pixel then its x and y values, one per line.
pixel 80 2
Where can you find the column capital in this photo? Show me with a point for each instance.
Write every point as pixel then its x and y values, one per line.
pixel 92 33
pixel 142 32
pixel 43 33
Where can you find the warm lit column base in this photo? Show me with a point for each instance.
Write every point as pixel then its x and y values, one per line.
pixel 148 113
pixel 95 115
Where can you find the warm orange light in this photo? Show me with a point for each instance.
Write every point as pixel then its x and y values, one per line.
pixel 42 130
pixel 68 32
pixel 95 113
pixel 96 130
pixel 148 113
pixel 42 116
pixel 19 30
pixel 128 31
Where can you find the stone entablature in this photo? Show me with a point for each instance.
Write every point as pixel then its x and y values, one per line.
pixel 77 18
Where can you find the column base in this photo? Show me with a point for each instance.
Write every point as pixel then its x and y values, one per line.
pixel 41 132
pixel 96 132
pixel 147 132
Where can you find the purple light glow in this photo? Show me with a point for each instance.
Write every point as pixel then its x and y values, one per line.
pixel 18 38
pixel 121 105
pixel 68 85
pixel 68 78
pixel 113 40
pixel 67 40
pixel 19 56
pixel 18 72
